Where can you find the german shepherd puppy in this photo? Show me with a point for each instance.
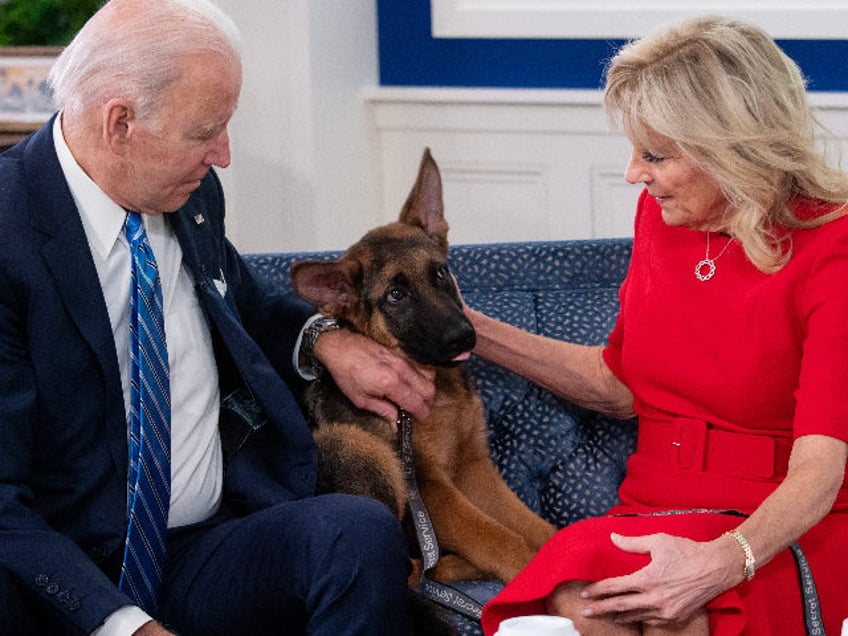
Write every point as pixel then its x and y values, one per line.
pixel 394 286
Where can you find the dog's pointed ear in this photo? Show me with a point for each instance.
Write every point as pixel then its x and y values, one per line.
pixel 425 206
pixel 329 285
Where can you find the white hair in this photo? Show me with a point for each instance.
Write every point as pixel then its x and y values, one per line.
pixel 131 49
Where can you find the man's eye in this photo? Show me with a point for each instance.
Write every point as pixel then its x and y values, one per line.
pixel 205 135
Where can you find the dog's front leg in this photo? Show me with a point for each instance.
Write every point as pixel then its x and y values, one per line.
pixel 481 482
pixel 466 531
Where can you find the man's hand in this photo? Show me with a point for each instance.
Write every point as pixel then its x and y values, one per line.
pixel 152 629
pixel 375 378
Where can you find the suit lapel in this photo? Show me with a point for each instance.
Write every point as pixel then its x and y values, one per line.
pixel 205 254
pixel 67 255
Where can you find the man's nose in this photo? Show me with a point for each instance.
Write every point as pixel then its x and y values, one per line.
pixel 219 154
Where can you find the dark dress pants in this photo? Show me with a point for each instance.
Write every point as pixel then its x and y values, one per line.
pixel 333 565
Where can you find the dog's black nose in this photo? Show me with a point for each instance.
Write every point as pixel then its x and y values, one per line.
pixel 460 337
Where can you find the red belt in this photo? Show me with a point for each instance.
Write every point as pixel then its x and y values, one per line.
pixel 697 445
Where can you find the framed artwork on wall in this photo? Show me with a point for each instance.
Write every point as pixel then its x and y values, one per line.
pixel 25 102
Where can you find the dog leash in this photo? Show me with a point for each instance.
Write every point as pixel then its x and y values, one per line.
pixel 440 593
pixel 812 608
pixel 421 519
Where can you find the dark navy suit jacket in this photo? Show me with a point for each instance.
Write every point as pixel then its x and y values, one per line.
pixel 63 438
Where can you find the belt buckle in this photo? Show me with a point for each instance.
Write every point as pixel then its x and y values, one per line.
pixel 691 443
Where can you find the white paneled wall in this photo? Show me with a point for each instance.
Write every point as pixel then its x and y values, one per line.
pixel 516 165
pixel 521 165
pixel 302 174
pixel 320 154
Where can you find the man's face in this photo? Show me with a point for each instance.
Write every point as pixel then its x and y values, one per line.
pixel 167 161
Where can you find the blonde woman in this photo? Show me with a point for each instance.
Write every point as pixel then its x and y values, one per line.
pixel 731 348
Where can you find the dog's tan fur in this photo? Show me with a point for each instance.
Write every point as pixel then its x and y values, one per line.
pixel 393 286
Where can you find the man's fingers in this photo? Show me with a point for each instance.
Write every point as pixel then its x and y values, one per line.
pixel 385 409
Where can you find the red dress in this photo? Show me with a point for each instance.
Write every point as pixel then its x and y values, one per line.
pixel 725 374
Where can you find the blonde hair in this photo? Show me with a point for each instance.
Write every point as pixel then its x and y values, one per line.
pixel 132 49
pixel 736 105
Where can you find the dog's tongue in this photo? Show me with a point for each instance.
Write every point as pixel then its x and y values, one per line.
pixel 462 356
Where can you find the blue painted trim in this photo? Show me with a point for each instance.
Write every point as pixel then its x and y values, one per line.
pixel 410 56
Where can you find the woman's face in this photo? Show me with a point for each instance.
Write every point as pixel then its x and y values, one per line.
pixel 686 194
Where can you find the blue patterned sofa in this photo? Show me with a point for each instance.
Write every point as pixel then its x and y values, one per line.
pixel 564 462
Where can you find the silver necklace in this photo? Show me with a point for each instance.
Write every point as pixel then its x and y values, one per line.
pixel 706 268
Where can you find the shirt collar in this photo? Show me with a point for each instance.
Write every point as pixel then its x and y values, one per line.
pixel 102 218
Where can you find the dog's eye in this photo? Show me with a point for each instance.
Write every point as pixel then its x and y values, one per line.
pixel 395 295
pixel 441 274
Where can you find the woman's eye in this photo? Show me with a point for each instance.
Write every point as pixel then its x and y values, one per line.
pixel 651 157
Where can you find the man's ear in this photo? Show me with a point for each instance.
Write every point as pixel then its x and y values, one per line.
pixel 119 123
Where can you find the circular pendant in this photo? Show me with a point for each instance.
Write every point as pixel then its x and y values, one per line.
pixel 705 269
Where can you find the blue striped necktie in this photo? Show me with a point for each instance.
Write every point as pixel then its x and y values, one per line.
pixel 149 484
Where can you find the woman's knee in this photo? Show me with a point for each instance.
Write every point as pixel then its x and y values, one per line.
pixel 696 625
pixel 565 599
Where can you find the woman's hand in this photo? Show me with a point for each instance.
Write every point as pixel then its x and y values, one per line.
pixel 375 378
pixel 682 577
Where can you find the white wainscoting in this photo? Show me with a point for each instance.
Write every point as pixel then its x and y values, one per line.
pixel 521 165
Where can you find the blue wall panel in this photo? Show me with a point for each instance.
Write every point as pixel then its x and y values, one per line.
pixel 410 56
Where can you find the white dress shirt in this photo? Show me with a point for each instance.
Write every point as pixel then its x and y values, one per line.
pixel 196 459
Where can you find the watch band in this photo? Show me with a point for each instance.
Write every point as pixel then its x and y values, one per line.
pixel 307 345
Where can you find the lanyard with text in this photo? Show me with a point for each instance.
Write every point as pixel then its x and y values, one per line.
pixel 440 593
